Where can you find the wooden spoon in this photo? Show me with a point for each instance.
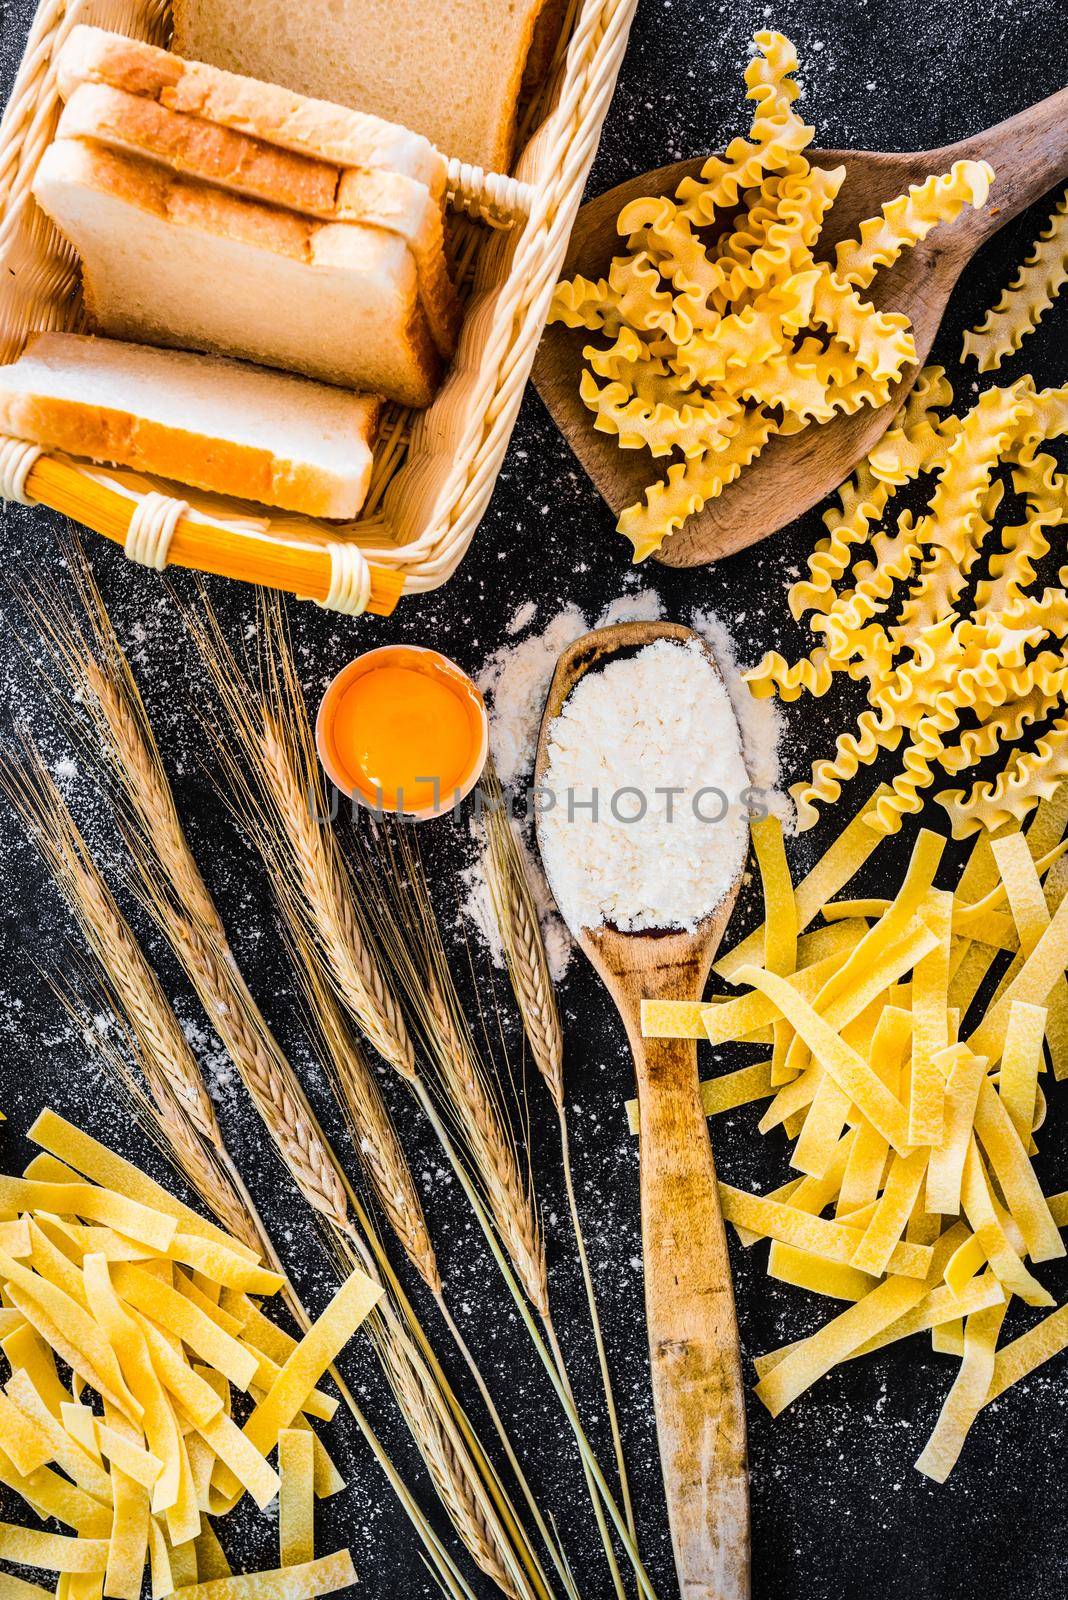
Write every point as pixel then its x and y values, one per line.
pixel 689 1302
pixel 1029 154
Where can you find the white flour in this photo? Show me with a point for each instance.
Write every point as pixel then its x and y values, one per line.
pixel 761 721
pixel 648 821
pixel 515 681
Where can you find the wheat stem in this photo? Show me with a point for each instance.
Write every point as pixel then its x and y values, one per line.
pixel 595 1499
pixel 487 1400
pixel 528 969
pixel 598 1335
pixel 540 1347
pixel 368 1236
pixel 442 1563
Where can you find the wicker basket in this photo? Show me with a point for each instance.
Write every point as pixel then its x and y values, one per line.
pixel 434 470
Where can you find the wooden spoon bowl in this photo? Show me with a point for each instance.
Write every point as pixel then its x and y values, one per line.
pixel 1029 154
pixel 693 1330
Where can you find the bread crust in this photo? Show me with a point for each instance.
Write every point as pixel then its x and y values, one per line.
pixel 291 121
pixel 186 204
pixel 253 168
pixel 113 437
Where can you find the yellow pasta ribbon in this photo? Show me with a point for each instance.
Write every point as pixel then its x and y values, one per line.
pixel 324 1576
pixel 967 1396
pixel 905 220
pixel 1026 300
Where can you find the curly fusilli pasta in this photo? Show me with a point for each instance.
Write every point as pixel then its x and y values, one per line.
pixel 1031 776
pixel 721 283
pixel 1026 300
pixel 689 486
pixel 908 218
pixel 997 664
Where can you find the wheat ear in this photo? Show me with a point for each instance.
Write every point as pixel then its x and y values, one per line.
pixel 83 645
pixel 319 896
pixel 36 796
pixel 178 1084
pixel 524 949
pixel 430 1424
pixel 285 802
pixel 525 957
pixel 370 1127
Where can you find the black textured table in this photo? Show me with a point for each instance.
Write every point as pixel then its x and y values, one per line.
pixel 838 1510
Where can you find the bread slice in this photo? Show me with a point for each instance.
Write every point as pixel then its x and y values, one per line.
pixel 219 425
pixel 291 121
pixel 172 262
pixel 452 69
pixel 261 171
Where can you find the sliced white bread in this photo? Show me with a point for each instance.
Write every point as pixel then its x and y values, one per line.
pixel 244 165
pixel 451 69
pixel 218 425
pixel 172 262
pixel 315 128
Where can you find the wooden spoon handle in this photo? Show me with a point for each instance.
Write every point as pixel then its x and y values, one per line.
pixel 693 1330
pixel 1029 155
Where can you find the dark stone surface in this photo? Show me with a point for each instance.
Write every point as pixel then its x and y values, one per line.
pixel 838 1511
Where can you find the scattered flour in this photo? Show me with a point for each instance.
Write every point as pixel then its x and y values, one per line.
pixel 515 681
pixel 644 606
pixel 522 617
pixel 645 765
pixel 761 721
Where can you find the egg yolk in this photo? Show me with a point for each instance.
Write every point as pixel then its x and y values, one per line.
pixel 406 734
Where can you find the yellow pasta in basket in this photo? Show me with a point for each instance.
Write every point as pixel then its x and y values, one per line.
pixel 720 288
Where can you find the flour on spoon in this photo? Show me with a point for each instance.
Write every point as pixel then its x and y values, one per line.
pixel 644 796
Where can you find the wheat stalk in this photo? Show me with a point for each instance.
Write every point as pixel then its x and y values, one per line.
pixel 369 1122
pixel 176 1086
pixel 271 1082
pixel 148 1095
pixel 289 1118
pixel 484 1131
pixel 96 667
pixel 466 1081
pixel 525 957
pixel 86 649
pixel 319 898
pixel 397 900
pixel 442 1460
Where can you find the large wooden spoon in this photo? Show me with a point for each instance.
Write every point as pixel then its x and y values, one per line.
pixel 689 1301
pixel 1029 154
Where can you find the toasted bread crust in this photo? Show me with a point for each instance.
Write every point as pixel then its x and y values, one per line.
pixel 119 438
pixel 291 121
pixel 252 168
pixel 150 189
